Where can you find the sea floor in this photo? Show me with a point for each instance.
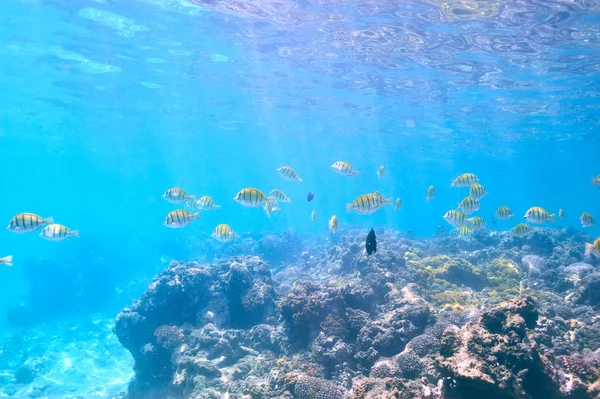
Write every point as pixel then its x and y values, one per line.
pixel 77 358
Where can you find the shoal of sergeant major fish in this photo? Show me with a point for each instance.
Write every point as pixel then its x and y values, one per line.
pixel 364 205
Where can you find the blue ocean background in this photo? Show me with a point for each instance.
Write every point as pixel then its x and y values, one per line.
pixel 107 104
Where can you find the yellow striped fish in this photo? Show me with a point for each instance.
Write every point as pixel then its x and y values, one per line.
pixel 593 248
pixel 538 215
pixel 180 218
pixel 368 203
pixel 313 216
pixel 344 168
pixel 381 171
pixel 561 213
pixel 7 260
pixel 57 232
pixel 279 196
pixel 464 231
pixel 177 196
pixel 477 191
pixel 398 204
pixel 223 233
pixel 476 222
pixel 27 222
pixel 251 197
pixel 468 205
pixel 455 218
pixel 520 230
pixel 289 174
pixel 333 224
pixel 504 213
pixel 206 203
pixel 271 206
pixel 430 193
pixel 596 181
pixel 465 180
pixel 587 220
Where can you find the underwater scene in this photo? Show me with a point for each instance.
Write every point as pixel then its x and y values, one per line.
pixel 300 199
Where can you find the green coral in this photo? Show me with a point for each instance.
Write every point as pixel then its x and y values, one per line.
pixel 453 300
pixel 504 278
pixel 455 271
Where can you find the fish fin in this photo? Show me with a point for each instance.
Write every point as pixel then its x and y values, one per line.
pixel 299 180
pixel 452 183
pixel 355 173
pixel 553 217
pixel 349 207
pixel 75 233
pixel 588 248
pixel 377 192
pixel 49 220
pixel 389 201
pixel 217 207
pixel 196 216
pixel 7 260
pixel 191 197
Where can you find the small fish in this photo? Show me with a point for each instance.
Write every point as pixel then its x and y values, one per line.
pixel 476 222
pixel 587 220
pixel 268 208
pixel 468 205
pixel 561 213
pixel 313 216
pixel 521 229
pixel 596 181
pixel 430 193
pixel 477 191
pixel 504 213
pixel 371 243
pixel 333 224
pixel 310 196
pixel 398 204
pixel 271 206
pixel 27 222
pixel 289 174
pixel 223 233
pixel 538 215
pixel 593 248
pixel 455 218
pixel 344 168
pixel 57 232
pixel 251 197
pixel 7 260
pixel 368 203
pixel 177 196
pixel 207 204
pixel 180 218
pixel 279 196
pixel 465 180
pixel 464 231
pixel 381 171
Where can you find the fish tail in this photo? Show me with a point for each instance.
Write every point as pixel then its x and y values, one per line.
pixel 553 217
pixel 7 260
pixel 299 180
pixel 349 207
pixel 75 233
pixel 196 215
pixel 267 211
pixel 588 248
pixel 453 183
pixel 49 220
pixel 355 173
pixel 389 201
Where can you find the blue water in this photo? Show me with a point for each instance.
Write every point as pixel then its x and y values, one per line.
pixel 106 104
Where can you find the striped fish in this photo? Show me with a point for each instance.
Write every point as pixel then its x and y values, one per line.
pixel 289 174
pixel 180 218
pixel 465 180
pixel 177 196
pixel 271 206
pixel 593 248
pixel 455 218
pixel 398 204
pixel 561 213
pixel 333 224
pixel 313 216
pixel 368 203
pixel 468 205
pixel 464 231
pixel 587 220
pixel 504 213
pixel 57 232
pixel 207 204
pixel 538 215
pixel 476 222
pixel 27 222
pixel 251 197
pixel 344 168
pixel 381 171
pixel 430 193
pixel 223 233
pixel 596 181
pixel 520 230
pixel 279 196
pixel 477 191
pixel 7 260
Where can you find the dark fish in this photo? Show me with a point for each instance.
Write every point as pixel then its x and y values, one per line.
pixel 310 196
pixel 371 243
